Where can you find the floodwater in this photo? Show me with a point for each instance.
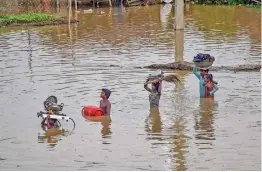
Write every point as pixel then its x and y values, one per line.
pixel 104 50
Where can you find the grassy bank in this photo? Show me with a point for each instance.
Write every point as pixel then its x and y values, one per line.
pixel 32 19
pixel 7 19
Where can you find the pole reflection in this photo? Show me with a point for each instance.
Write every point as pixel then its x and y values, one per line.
pixel 204 121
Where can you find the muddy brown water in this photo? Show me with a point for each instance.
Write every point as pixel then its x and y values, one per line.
pixel 103 50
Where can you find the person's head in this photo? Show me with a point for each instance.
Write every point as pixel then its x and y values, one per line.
pixel 208 77
pixel 204 71
pixel 105 93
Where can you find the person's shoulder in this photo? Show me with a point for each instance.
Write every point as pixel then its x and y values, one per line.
pixel 106 101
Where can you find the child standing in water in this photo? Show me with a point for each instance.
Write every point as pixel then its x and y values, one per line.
pixel 155 92
pixel 105 104
pixel 208 78
pixel 202 83
pixel 50 123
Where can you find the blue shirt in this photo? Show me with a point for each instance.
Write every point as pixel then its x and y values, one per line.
pixel 202 83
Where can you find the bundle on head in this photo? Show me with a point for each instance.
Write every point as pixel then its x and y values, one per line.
pixel 51 104
pixel 171 78
pixel 155 75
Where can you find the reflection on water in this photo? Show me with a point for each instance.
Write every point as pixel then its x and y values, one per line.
pixel 204 123
pixel 179 139
pixel 153 120
pixel 119 14
pixel 165 13
pixel 51 136
pixel 243 20
pixel 120 26
pixel 73 62
pixel 170 131
pixel 179 144
pixel 105 122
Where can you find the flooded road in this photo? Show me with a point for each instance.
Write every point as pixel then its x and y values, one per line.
pixel 103 50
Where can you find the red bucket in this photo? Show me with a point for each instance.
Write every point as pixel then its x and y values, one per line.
pixel 92 111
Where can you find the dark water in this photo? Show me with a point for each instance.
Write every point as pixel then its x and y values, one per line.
pixel 103 50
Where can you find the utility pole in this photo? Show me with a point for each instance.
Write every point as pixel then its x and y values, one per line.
pixel 179 15
pixel 69 11
pixel 76 4
pixel 179 30
pixel 57 5
pixel 179 45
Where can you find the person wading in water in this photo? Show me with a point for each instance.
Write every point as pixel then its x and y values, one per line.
pixel 202 83
pixel 155 92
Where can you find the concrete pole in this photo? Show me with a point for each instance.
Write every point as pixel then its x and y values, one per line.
pixel 69 11
pixel 76 4
pixel 57 5
pixel 179 14
pixel 179 45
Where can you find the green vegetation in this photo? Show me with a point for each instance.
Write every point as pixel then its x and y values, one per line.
pixel 3 8
pixel 248 3
pixel 7 19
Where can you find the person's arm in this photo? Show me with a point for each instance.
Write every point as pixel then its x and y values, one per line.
pixel 215 88
pixel 43 127
pixel 195 72
pixel 43 121
pixel 206 91
pixel 146 86
pixel 100 105
pixel 57 125
pixel 108 108
pixel 160 87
